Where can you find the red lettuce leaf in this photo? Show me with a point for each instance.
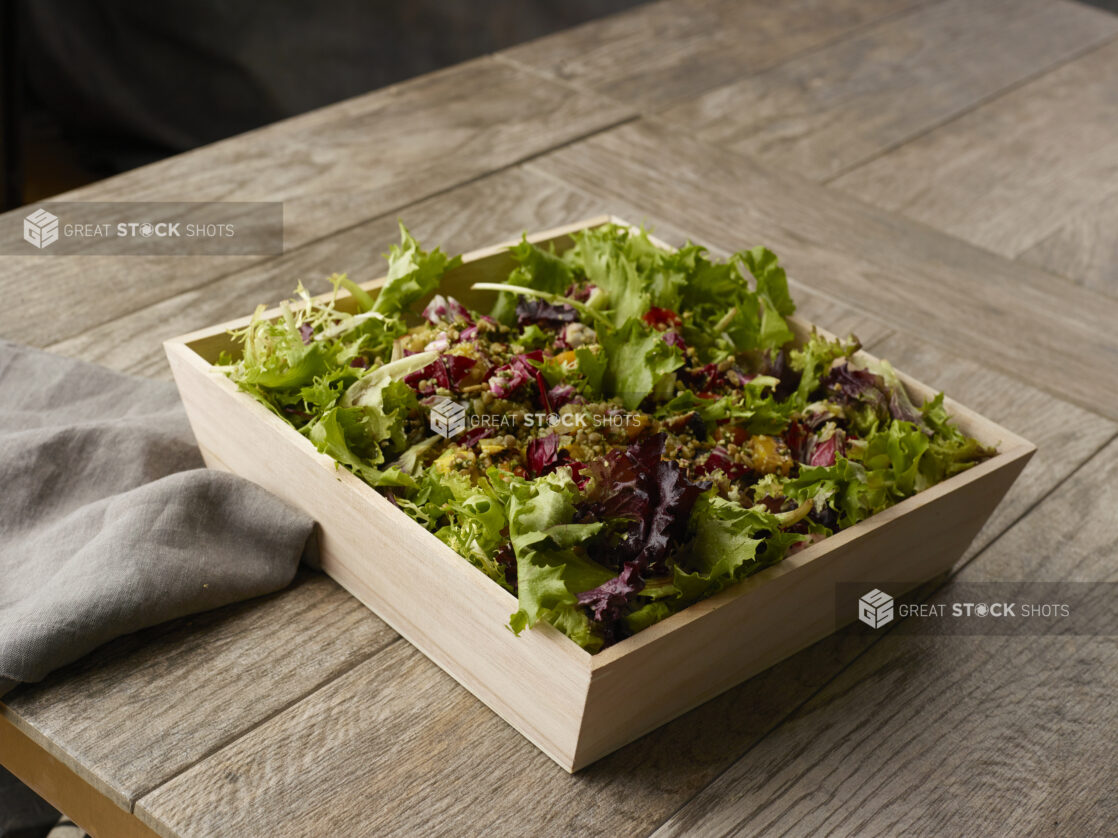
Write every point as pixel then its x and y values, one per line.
pixel 719 460
pixel 661 318
pixel 825 451
pixel 543 455
pixel 652 500
pixel 447 371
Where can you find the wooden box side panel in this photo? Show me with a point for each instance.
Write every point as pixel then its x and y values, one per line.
pixel 434 598
pixel 774 614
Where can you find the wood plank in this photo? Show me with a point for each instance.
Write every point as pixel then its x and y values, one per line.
pixel 352 758
pixel 360 752
pixel 332 168
pixel 494 208
pixel 662 53
pixel 1083 248
pixel 955 735
pixel 837 318
pixel 825 112
pixel 140 709
pixel 1011 316
pixel 1012 172
pixel 55 782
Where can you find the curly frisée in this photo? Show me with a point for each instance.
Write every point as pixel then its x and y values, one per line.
pixel 632 429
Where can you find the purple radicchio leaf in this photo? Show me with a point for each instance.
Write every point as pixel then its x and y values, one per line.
pixel 655 497
pixel 538 311
pixel 473 435
pixel 610 600
pixel 812 447
pixel 673 338
pixel 719 460
pixel 702 379
pixel 900 407
pixel 471 332
pixel 447 371
pixel 777 366
pixel 439 344
pixel 543 455
pixel 506 559
pixel 560 395
pixel 826 450
pixel 848 385
pixel 579 294
pixel 506 379
pixel 509 377
pixel 738 378
pixel 798 437
pixel 446 309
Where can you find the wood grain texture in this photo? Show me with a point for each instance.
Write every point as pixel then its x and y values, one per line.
pixel 55 782
pixel 140 709
pixel 927 735
pixel 662 53
pixel 336 743
pixel 1012 172
pixel 1084 247
pixel 494 208
pixel 332 168
pixel 1009 315
pixel 1066 436
pixel 825 112
pixel 396 748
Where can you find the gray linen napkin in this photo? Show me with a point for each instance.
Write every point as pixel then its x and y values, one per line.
pixel 108 522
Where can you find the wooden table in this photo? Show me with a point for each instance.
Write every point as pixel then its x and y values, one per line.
pixel 941 177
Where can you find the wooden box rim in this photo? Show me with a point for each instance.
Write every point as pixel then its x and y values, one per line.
pixel 1011 447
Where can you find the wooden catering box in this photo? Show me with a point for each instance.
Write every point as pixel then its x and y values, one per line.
pixel 575 706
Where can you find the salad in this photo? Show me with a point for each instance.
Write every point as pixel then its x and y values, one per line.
pixel 628 430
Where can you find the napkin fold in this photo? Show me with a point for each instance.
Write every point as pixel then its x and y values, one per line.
pixel 109 522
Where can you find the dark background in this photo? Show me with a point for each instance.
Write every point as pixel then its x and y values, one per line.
pixel 94 87
pixel 89 88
